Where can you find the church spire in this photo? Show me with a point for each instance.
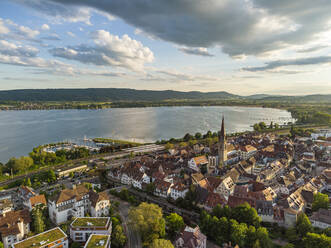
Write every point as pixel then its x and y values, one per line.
pixel 222 146
pixel 222 128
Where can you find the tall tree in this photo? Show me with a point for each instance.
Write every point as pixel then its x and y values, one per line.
pixel 314 240
pixel 148 219
pixel 118 238
pixel 161 243
pixel 303 225
pixel 174 223
pixel 38 222
pixel 320 201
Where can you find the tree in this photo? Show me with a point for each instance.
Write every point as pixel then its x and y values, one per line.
pixel 182 144
pixel 174 223
pixel 313 240
pixel 271 125
pixel 38 222
pixel 263 236
pixel 19 164
pixel 161 243
pixel 1 245
pixel 28 182
pixel 320 201
pixel 244 213
pixel 289 245
pixel 238 233
pixel 303 225
pixel 198 135
pixel 118 238
pixel 71 174
pixel 148 220
pixel 169 146
pixel 51 176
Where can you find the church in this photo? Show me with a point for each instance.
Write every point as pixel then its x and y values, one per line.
pixel 222 147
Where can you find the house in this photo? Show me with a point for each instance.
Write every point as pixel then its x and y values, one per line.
pixel 213 200
pixel 37 200
pixel 54 238
pixel 178 190
pixel 226 187
pixel 69 203
pixel 246 152
pixel 97 240
pixel 82 228
pixel 162 188
pixel 14 226
pixel 24 193
pixel 191 238
pixel 197 162
pixel 6 205
pixel 100 204
pixel 321 218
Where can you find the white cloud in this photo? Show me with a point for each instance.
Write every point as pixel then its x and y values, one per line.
pixel 71 34
pixel 240 27
pixel 109 50
pixel 45 27
pixel 3 28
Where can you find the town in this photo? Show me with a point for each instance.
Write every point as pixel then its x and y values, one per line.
pixel 250 190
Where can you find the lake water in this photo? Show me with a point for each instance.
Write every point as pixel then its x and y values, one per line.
pixel 20 131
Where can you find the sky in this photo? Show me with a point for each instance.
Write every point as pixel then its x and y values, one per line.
pixel 240 46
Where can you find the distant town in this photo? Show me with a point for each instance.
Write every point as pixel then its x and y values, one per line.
pixel 255 189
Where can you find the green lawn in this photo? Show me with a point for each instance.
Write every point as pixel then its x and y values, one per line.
pixel 48 236
pixel 95 239
pixel 94 221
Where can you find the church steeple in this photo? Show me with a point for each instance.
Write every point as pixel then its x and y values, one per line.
pixel 222 149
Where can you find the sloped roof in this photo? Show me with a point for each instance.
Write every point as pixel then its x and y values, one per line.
pixel 38 199
pixel 9 222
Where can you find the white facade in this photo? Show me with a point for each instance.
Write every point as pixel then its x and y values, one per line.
pixel 226 187
pixel 82 233
pixel 101 208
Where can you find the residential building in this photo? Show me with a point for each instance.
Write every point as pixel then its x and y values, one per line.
pixel 54 238
pixel 14 226
pixel 97 240
pixel 191 238
pixel 178 190
pixel 6 205
pixel 226 187
pixel 197 162
pixel 247 151
pixel 34 201
pixel 100 204
pixel 321 218
pixel 69 203
pixel 82 228
pixel 162 188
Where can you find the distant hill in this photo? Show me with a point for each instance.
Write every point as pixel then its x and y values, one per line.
pixel 107 94
pixel 117 95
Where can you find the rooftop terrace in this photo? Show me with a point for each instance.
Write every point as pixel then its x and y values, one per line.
pixel 42 239
pixel 96 240
pixel 90 222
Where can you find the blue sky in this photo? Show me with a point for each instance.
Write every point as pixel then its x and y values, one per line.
pixel 240 46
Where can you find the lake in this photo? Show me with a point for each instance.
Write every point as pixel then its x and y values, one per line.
pixel 20 131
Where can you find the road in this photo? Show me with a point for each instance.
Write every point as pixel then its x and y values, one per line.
pixel 134 240
pixel 109 156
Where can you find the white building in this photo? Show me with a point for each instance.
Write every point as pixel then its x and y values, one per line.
pixel 247 151
pixel 100 204
pixel 178 190
pixel 82 228
pixel 101 241
pixel 196 163
pixel 226 187
pixel 162 188
pixel 69 203
pixel 14 226
pixel 54 238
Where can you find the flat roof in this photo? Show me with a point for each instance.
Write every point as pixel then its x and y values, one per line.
pixel 97 240
pixel 42 239
pixel 90 222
